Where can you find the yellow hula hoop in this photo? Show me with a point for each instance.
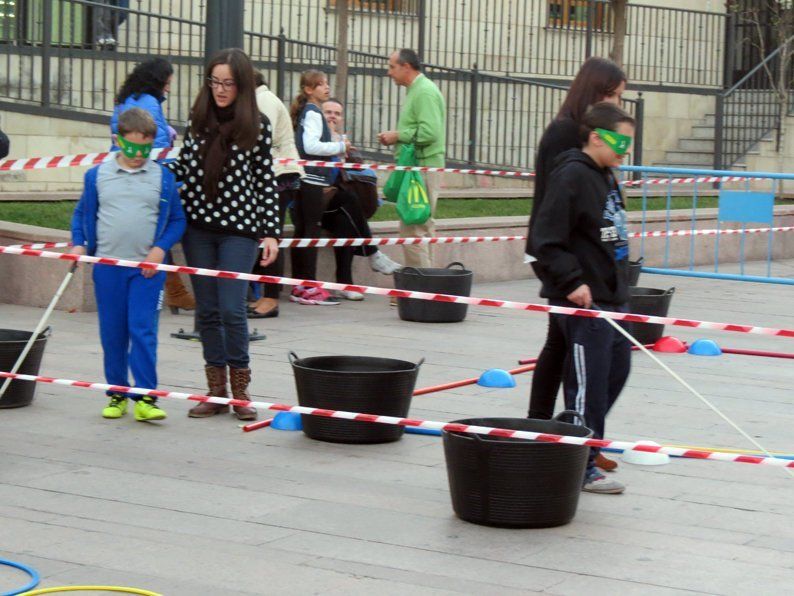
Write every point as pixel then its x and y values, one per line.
pixel 726 450
pixel 91 588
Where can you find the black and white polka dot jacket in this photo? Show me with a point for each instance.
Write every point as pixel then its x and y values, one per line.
pixel 246 202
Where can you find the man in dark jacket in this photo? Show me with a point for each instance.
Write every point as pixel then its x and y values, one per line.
pixel 581 243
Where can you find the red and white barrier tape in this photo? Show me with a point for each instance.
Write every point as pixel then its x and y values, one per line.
pixel 88 159
pixel 326 242
pixel 697 180
pixel 579 312
pixel 416 423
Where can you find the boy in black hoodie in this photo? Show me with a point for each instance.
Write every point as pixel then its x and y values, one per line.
pixel 581 243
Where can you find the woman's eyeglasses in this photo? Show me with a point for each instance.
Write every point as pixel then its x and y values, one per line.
pixel 227 85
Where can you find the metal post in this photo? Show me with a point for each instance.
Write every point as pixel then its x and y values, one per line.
pixel 46 54
pixel 421 17
pixel 281 64
pixel 473 111
pixel 639 116
pixel 224 26
pixel 588 47
pixel 729 63
pixel 719 143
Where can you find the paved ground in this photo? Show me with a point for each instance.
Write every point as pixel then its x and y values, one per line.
pixel 196 507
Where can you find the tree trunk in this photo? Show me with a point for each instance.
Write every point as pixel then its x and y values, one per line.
pixel 342 27
pixel 619 24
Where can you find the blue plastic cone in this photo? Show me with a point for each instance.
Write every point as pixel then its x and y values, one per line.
pixel 287 421
pixel 415 430
pixel 496 377
pixel 704 347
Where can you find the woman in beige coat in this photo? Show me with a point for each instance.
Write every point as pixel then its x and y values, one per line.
pixel 287 184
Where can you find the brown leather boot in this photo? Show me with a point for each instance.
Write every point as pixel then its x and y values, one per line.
pixel 239 378
pixel 216 379
pixel 606 464
pixel 176 294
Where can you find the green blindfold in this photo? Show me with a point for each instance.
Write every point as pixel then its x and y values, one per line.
pixel 131 150
pixel 619 143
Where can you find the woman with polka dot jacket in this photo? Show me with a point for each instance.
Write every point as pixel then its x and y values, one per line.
pixel 231 205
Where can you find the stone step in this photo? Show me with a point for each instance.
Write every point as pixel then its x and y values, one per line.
pixel 692 158
pixel 695 144
pixel 702 131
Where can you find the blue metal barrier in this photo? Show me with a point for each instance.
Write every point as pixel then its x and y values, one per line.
pixel 739 206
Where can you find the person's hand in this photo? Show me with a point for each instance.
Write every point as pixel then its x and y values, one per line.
pixel 348 146
pixel 269 251
pixel 388 137
pixel 581 296
pixel 78 250
pixel 156 255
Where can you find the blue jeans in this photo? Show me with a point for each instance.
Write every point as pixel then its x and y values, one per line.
pixel 220 303
pixel 128 305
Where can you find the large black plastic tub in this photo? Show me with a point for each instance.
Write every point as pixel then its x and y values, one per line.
pixel 453 279
pixel 362 384
pixel 635 268
pixel 649 301
pixel 12 343
pixel 516 483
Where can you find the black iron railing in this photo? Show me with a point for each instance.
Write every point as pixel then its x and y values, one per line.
pixel 754 107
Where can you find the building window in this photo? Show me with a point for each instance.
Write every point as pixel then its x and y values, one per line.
pixel 397 7
pixel 572 14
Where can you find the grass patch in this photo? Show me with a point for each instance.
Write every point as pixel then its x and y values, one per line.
pixel 58 214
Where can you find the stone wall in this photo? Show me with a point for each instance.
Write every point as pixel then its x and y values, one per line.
pixel 33 281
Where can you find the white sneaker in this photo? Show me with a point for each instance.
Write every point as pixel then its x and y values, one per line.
pixel 350 295
pixel 595 482
pixel 383 264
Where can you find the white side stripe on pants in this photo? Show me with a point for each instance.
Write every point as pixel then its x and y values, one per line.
pixel 581 380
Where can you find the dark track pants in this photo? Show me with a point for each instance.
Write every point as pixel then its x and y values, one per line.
pixel 597 366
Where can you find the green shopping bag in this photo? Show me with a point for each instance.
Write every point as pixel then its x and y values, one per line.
pixel 407 157
pixel 413 204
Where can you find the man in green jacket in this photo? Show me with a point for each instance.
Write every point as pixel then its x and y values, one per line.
pixel 422 122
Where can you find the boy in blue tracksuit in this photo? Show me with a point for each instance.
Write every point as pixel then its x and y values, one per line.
pixel 130 209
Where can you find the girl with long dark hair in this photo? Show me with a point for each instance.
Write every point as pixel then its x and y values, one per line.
pixel 598 80
pixel 231 206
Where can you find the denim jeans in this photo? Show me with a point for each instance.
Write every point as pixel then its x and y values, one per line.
pixel 220 303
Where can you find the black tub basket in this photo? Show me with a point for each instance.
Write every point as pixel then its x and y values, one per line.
pixel 364 384
pixel 449 280
pixel 516 483
pixel 12 344
pixel 649 301
pixel 635 268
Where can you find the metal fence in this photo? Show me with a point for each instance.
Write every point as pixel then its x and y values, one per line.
pixel 491 120
pixel 529 38
pixel 697 225
pixel 54 55
pixel 754 107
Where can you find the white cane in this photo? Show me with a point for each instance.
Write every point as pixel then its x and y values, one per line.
pixel 40 326
pixel 686 385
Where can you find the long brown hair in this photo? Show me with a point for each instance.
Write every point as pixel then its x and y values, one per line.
pixel 597 79
pixel 245 128
pixel 310 78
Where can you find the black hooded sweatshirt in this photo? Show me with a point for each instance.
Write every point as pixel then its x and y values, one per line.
pixel 580 234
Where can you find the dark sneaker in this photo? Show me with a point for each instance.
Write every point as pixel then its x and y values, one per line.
pixel 596 482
